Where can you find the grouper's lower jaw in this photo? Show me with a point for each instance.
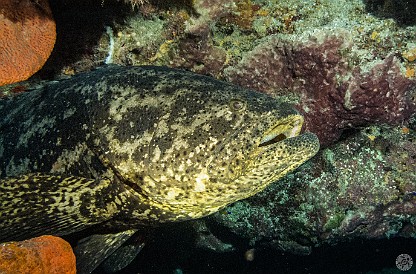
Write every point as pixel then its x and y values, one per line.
pixel 269 163
pixel 303 146
pixel 285 156
pixel 299 150
pixel 291 151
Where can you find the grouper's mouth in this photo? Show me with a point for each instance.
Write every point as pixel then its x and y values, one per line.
pixel 284 129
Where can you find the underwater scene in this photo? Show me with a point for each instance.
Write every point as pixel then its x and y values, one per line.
pixel 208 136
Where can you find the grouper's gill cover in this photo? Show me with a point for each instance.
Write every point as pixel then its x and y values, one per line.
pixel 128 146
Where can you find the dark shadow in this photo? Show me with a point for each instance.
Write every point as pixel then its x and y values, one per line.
pixel 79 25
pixel 168 253
pixel 403 11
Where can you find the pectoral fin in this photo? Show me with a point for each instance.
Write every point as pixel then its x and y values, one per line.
pixel 38 204
pixel 93 250
pixel 124 255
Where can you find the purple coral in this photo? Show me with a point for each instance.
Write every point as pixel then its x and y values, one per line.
pixel 196 50
pixel 334 95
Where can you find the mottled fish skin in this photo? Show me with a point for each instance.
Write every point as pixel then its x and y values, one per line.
pixel 140 146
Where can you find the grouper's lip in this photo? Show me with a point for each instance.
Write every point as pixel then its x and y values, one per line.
pixel 307 141
pixel 288 128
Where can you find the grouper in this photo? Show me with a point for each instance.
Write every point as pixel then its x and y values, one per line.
pixel 125 147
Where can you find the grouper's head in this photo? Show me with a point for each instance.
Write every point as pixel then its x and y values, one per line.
pixel 212 144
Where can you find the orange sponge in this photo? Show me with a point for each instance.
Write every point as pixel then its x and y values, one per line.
pixel 41 255
pixel 27 37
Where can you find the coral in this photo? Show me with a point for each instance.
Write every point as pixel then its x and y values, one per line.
pixel 141 39
pixel 209 11
pixel 135 3
pixel 195 49
pixel 41 255
pixel 27 37
pixel 179 39
pixel 410 72
pixel 334 94
pixel 166 33
pixel 202 57
pixel 410 55
pixel 243 15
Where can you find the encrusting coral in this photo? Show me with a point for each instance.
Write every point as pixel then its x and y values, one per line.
pixel 321 72
pixel 45 254
pixel 27 37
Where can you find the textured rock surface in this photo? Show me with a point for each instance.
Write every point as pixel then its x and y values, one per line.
pixel 333 93
pixel 41 255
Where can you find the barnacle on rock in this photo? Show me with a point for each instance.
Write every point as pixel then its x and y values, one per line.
pixel 27 37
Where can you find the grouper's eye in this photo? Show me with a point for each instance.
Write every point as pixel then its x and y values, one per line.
pixel 237 105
